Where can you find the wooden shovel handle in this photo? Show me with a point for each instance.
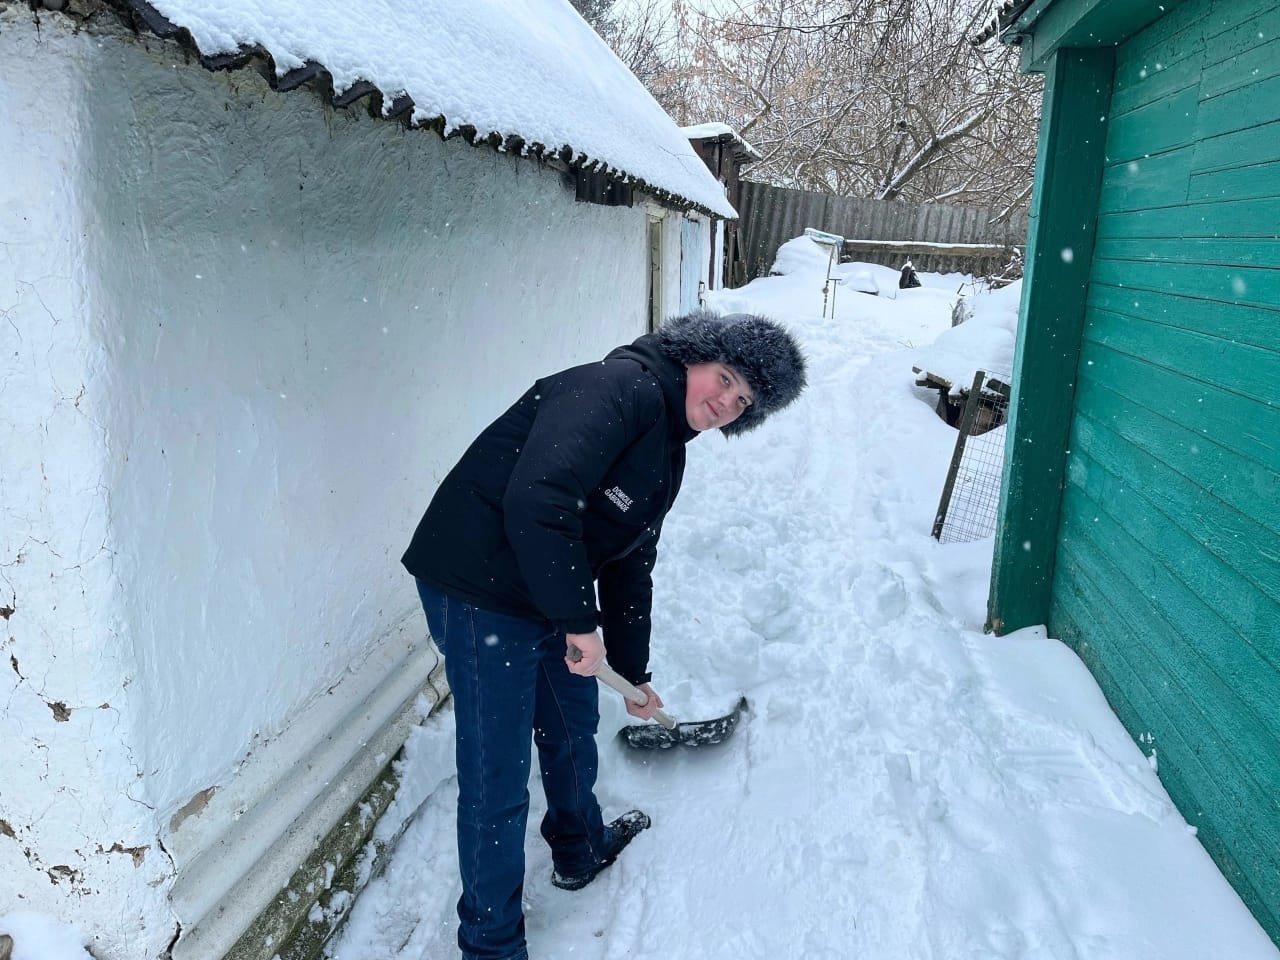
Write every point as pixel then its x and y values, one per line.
pixel 632 693
pixel 608 676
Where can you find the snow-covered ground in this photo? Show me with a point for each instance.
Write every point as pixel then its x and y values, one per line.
pixel 904 786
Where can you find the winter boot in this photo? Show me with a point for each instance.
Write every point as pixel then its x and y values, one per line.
pixel 616 836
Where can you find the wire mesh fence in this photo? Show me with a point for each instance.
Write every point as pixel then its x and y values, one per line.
pixel 971 494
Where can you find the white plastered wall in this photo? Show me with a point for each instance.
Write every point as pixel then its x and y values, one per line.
pixel 77 831
pixel 244 335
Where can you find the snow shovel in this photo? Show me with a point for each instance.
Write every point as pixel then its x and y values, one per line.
pixel 667 733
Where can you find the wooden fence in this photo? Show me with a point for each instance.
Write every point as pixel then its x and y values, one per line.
pixel 935 236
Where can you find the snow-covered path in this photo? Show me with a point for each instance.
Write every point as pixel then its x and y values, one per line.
pixel 903 787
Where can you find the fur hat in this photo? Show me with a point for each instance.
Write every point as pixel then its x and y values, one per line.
pixel 760 350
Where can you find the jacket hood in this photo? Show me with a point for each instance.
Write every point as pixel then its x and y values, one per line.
pixel 670 374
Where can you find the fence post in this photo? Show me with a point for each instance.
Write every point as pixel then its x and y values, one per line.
pixel 962 435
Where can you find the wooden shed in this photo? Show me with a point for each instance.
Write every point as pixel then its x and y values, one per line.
pixel 1141 511
pixel 725 154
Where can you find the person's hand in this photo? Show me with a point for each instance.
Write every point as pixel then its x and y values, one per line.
pixel 590 653
pixel 651 705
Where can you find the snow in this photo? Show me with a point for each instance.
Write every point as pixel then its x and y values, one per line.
pixel 903 786
pixel 534 70
pixel 700 130
pixel 39 937
pixel 984 341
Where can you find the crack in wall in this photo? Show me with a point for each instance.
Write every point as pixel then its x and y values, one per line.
pixel 177 925
pixel 39 299
pixel 57 873
pixel 60 709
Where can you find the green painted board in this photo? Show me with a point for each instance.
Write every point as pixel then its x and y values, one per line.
pixel 1185 521
pixel 1241 368
pixel 1254 286
pixel 1214 218
pixel 1207 251
pixel 1240 68
pixel 1156 127
pixel 1148 182
pixel 1087 24
pixel 1253 182
pixel 1173 22
pixel 1237 422
pixel 1150 85
pixel 1154 69
pixel 1234 27
pixel 1238 148
pixel 1225 321
pixel 1084 620
pixel 1238 109
pixel 1207 693
pixel 1185 688
pixel 1145 640
pixel 1184 460
pixel 1257 181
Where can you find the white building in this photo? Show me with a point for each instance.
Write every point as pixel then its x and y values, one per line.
pixel 243 333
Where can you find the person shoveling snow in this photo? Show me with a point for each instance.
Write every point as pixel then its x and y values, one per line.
pixel 564 493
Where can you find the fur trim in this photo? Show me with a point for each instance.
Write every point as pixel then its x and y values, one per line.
pixel 761 350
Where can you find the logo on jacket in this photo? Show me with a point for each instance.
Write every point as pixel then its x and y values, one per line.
pixel 620 499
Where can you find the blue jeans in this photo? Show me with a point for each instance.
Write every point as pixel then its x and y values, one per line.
pixel 509 683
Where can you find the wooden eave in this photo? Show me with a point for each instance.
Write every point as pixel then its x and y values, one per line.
pixel 739 150
pixel 1042 27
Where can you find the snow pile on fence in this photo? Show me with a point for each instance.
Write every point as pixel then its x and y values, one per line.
pixel 985 341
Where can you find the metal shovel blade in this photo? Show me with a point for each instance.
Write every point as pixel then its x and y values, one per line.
pixel 695 733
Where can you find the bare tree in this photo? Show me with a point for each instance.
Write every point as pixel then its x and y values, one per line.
pixel 595 12
pixel 644 35
pixel 873 98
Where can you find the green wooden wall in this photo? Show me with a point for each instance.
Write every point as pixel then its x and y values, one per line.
pixel 1167 573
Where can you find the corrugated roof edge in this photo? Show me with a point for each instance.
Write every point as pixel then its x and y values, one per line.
pixel 1005 17
pixel 397 107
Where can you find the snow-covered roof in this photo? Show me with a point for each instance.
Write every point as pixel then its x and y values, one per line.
pixel 720 131
pixel 1001 15
pixel 529 76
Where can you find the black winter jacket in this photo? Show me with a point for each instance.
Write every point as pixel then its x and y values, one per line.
pixel 569 486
